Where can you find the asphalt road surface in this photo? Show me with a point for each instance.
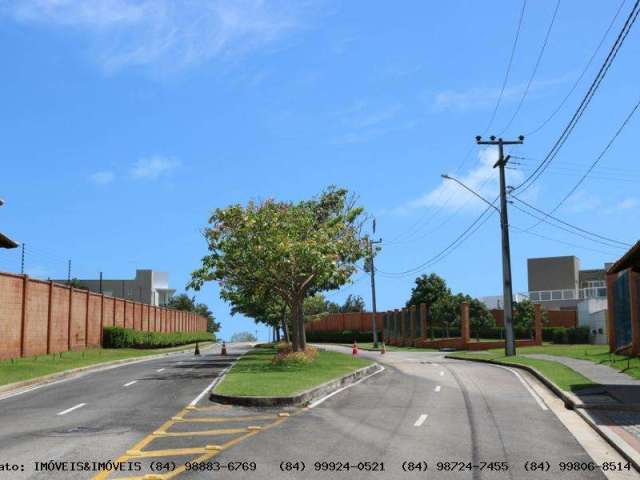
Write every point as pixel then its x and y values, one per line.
pixel 460 420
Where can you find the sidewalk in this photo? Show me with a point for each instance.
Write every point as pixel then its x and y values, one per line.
pixel 617 416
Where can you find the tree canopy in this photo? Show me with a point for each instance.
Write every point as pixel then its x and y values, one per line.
pixel 188 304
pixel 283 249
pixel 428 289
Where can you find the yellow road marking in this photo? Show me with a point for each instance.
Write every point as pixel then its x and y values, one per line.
pixel 221 431
pixel 223 419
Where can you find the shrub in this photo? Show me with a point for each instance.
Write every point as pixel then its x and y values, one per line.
pixel 345 336
pixel 560 335
pixel 118 337
pixel 286 356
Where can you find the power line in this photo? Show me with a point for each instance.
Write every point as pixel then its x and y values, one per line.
pixel 617 243
pixel 507 73
pixel 582 74
pixel 536 234
pixel 586 100
pixel 535 68
pixel 595 162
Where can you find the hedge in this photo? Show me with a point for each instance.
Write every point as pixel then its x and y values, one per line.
pixel 118 337
pixel 346 336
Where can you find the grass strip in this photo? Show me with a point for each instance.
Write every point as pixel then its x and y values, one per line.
pixel 390 348
pixel 255 375
pixel 28 368
pixel 563 376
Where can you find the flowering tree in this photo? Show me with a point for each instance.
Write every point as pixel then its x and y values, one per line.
pixel 285 249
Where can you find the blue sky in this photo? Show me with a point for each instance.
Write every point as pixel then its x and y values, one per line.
pixel 124 123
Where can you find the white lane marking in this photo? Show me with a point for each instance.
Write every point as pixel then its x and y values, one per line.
pixel 421 420
pixel 435 364
pixel 64 412
pixel 129 383
pixel 160 370
pixel 533 393
pixel 442 374
pixel 437 389
pixel 209 387
pixel 320 400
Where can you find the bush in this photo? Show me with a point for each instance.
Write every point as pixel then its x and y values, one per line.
pixel 286 356
pixel 560 335
pixel 118 337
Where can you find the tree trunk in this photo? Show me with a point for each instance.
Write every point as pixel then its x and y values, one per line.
pixel 285 327
pixel 277 332
pixel 297 323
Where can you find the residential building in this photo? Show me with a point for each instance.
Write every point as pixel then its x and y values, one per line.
pixel 559 283
pixel 148 286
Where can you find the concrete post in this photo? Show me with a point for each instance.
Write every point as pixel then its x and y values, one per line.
pixel 49 316
pixel 465 324
pixel 25 306
pixel 537 323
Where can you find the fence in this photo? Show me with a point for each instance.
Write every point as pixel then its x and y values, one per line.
pixel 556 318
pixel 39 317
pixel 411 327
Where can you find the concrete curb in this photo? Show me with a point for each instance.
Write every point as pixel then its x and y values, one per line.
pixel 572 402
pixel 301 398
pixel 54 377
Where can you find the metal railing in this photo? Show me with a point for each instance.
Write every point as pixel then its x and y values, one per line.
pixel 566 294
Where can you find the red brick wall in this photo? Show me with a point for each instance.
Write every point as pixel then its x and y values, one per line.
pixel 338 322
pixel 39 317
pixel 557 318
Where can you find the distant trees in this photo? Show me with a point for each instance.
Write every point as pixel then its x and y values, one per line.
pixel 188 304
pixel 353 303
pixel 445 307
pixel 243 337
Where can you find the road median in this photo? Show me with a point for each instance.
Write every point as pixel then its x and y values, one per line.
pixel 255 380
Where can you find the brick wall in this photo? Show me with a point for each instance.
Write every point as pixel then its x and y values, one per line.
pixel 557 318
pixel 38 317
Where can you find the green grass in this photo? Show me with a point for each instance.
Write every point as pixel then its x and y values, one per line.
pixel 28 368
pixel 561 375
pixel 391 348
pixel 255 375
pixel 593 353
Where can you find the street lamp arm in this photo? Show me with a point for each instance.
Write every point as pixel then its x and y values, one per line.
pixel 447 177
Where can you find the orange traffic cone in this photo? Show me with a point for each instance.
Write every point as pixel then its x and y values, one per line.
pixel 354 350
pixel 224 349
pixel 382 349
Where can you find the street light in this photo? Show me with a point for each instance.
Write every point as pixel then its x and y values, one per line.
pixel 448 177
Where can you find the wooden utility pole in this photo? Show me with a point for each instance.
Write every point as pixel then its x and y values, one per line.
pixel 510 343
pixel 373 286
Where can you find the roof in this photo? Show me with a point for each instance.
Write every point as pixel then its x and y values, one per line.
pixel 6 242
pixel 629 259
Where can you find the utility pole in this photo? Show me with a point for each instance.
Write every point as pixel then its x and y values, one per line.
pixel 69 273
pixel 100 282
pixel 510 343
pixel 22 260
pixel 373 285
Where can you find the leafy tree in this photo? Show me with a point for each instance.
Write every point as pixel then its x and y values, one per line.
pixel 445 311
pixel 479 316
pixel 353 303
pixel 243 337
pixel 317 304
pixel 428 289
pixel 524 314
pixel 285 249
pixel 188 304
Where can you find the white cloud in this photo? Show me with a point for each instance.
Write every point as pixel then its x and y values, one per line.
pixel 483 179
pixel 103 177
pixel 362 122
pixel 153 167
pixel 627 203
pixel 173 33
pixel 477 97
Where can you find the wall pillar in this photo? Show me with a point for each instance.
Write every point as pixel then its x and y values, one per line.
pixel 537 323
pixel 49 316
pixel 611 311
pixel 465 324
pixel 69 318
pixel 23 320
pixel 86 322
pixel 423 320
pixel 412 322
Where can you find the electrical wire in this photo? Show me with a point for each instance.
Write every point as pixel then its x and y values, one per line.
pixel 581 76
pixel 586 100
pixel 535 68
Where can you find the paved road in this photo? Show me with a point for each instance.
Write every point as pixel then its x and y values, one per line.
pixel 422 407
pixel 114 409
